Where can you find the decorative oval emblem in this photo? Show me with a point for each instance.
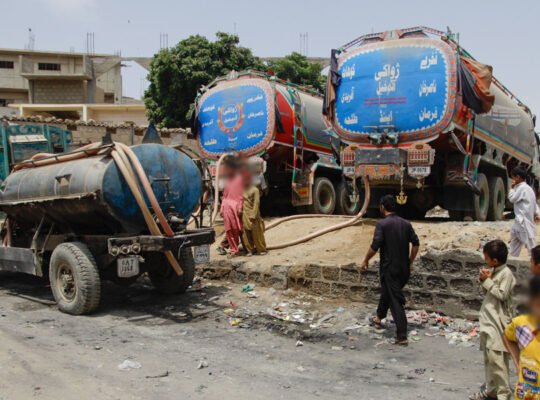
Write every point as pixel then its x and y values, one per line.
pixel 236 116
pixel 231 118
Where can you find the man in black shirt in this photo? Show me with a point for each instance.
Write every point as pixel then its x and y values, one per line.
pixel 392 236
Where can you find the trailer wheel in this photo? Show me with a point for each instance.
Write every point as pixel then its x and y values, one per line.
pixel 74 278
pixel 497 199
pixel 481 202
pixel 344 205
pixel 163 276
pixel 324 197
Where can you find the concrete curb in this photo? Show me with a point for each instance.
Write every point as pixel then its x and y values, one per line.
pixel 445 282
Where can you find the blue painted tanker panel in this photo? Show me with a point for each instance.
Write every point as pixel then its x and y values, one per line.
pixel 175 179
pixel 402 86
pixel 236 117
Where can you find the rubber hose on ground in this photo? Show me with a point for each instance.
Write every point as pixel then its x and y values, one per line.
pixel 332 228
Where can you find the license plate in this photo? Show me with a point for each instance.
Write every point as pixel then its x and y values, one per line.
pixel 127 267
pixel 348 171
pixel 420 171
pixel 202 254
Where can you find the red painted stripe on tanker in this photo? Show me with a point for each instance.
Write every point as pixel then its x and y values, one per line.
pixel 315 148
pixel 321 153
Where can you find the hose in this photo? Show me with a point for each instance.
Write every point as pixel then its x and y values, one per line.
pixel 216 188
pixel 148 189
pixel 351 219
pixel 123 164
pixel 42 159
pixel 298 216
pixel 332 228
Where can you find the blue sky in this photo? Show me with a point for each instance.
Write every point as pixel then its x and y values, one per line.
pixel 504 34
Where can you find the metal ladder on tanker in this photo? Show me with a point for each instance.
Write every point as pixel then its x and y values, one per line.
pixel 301 187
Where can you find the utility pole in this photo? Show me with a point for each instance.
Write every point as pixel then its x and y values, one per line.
pixel 304 39
pixel 163 41
pixel 90 43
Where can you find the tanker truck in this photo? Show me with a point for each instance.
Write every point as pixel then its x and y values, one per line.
pixel 424 120
pixel 75 218
pixel 251 113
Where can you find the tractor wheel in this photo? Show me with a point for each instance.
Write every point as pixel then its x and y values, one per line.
pixel 74 278
pixel 164 278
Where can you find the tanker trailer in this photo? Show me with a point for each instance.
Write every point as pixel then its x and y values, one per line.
pixel 426 121
pixel 75 218
pixel 251 113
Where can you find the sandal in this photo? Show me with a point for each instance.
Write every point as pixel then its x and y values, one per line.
pixel 482 394
pixel 401 342
pixel 374 323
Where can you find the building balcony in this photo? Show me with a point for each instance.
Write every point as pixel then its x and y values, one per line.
pixel 77 67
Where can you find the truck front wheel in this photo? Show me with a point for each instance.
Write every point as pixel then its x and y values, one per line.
pixel 164 278
pixel 324 197
pixel 74 278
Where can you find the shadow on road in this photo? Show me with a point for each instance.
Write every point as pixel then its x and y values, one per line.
pixel 138 303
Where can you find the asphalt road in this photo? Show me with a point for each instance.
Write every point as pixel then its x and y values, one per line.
pixel 187 347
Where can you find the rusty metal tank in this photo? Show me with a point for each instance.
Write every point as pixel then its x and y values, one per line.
pixel 90 194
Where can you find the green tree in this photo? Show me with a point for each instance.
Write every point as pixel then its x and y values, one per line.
pixel 177 73
pixel 296 68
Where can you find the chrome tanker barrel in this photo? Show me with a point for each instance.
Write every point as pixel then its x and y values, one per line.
pixel 91 195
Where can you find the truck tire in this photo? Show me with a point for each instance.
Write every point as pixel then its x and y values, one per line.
pixel 344 205
pixel 497 199
pixel 163 276
pixel 481 202
pixel 456 215
pixel 74 278
pixel 412 212
pixel 324 197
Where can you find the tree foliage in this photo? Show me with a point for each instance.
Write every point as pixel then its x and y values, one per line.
pixel 296 68
pixel 177 73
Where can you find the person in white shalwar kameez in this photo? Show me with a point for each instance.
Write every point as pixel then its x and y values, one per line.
pixel 526 210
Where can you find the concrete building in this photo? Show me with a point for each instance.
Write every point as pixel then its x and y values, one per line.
pixel 46 77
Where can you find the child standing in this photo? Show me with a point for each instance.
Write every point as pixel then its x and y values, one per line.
pixel 497 284
pixel 253 235
pixel 523 339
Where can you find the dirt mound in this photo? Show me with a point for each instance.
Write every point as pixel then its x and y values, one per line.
pixel 350 244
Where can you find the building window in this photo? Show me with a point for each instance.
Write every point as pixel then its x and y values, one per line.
pixel 48 67
pixel 6 64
